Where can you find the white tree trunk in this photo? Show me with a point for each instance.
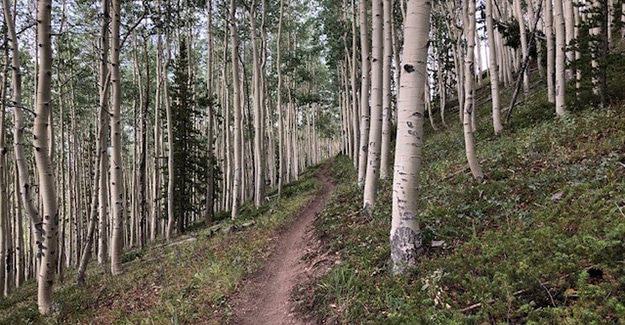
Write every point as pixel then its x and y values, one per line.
pixel 560 59
pixel 259 132
pixel 386 91
pixel 548 15
pixel 372 175
pixel 355 99
pixel 568 15
pixel 43 159
pixel 238 143
pixel 281 136
pixel 405 237
pixel 117 177
pixel 469 22
pixel 494 73
pixel 364 93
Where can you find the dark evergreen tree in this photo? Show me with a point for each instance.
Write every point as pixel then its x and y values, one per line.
pixel 188 144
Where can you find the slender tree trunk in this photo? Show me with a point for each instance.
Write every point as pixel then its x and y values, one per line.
pixel 405 237
pixel 364 93
pixel 355 99
pixel 156 183
pixel 171 168
pixel 560 59
pixel 259 132
pixel 238 143
pixel 117 178
pixel 43 160
pixel 25 186
pixel 550 50
pixel 5 224
pixel 494 73
pixel 386 91
pixel 372 174
pixel 567 13
pixel 99 194
pixel 281 157
pixel 469 22
pixel 210 191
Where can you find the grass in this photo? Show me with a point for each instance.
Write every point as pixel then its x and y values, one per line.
pixel 188 283
pixel 540 242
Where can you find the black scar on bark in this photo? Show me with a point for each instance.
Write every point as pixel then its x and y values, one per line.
pixel 409 68
pixel 408 248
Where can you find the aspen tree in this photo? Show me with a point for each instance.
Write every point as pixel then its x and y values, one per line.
pixel 117 178
pixel 210 199
pixel 238 143
pixel 99 194
pixel 560 59
pixel 5 232
pixel 24 184
pixel 364 92
pixel 567 14
pixel 548 18
pixel 386 90
pixel 494 73
pixel 43 160
pixel 171 167
pixel 259 133
pixel 156 180
pixel 468 9
pixel 405 236
pixel 372 174
pixel 281 139
pixel 355 99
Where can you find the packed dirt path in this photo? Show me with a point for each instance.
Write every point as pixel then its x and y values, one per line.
pixel 264 298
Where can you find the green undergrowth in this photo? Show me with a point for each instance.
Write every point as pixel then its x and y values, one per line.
pixel 186 283
pixel 541 241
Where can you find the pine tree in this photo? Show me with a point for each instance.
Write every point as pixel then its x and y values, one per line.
pixel 189 144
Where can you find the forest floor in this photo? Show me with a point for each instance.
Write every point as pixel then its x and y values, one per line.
pixel 252 263
pixel 265 297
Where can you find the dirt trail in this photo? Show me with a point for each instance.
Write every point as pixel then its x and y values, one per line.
pixel 265 296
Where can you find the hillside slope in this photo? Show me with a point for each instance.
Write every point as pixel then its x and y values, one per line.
pixel 541 241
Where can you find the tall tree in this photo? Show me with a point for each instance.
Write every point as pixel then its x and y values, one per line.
pixel 43 159
pixel 468 9
pixel 117 179
pixel 100 188
pixel 238 143
pixel 210 180
pixel 405 237
pixel 188 147
pixel 560 63
pixel 548 18
pixel 24 183
pixel 258 100
pixel 386 90
pixel 365 65
pixel 494 71
pixel 375 130
pixel 281 136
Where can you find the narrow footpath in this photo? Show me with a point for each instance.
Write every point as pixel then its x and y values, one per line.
pixel 265 297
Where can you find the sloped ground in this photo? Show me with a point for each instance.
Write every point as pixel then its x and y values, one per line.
pixel 540 242
pixel 190 282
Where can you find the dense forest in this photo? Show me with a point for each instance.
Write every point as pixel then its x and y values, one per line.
pixel 127 126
